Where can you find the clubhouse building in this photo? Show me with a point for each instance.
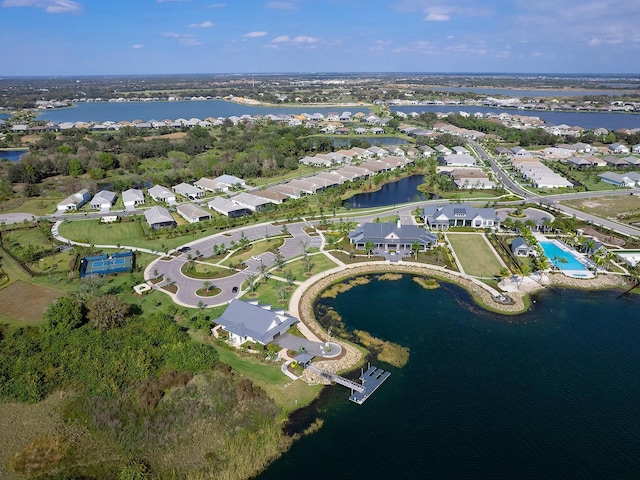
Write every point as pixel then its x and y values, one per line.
pixel 392 237
pixel 441 217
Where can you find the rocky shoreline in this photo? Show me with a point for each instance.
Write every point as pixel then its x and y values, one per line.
pixel 482 294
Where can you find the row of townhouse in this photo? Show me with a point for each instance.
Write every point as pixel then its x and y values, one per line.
pixel 103 200
pixel 539 174
pixel 346 156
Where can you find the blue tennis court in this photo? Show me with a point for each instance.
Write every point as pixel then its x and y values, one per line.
pixel 107 264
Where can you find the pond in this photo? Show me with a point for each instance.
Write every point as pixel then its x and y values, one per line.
pixel 402 191
pixel 12 155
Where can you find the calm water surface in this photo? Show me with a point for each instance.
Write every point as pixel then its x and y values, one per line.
pixel 404 190
pixel 550 394
pixel 588 120
pixel 12 155
pixel 129 111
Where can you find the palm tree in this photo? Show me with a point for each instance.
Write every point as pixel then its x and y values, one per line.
pixel 368 246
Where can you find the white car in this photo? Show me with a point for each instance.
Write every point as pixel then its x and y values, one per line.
pixel 256 258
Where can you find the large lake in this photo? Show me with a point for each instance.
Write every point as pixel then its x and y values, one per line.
pixel 588 120
pixel 550 394
pixel 129 111
pixel 533 93
pixel 402 191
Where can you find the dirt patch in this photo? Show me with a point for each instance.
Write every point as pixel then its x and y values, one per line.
pixel 175 135
pixel 27 302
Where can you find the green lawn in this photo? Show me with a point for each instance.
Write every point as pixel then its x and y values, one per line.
pixel 320 264
pixel 476 257
pixel 267 292
pixel 256 248
pixel 35 206
pixel 288 394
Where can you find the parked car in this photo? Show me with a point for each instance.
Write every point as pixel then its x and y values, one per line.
pixel 234 290
pixel 256 258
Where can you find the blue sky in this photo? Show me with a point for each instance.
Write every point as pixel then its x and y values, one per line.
pixel 87 37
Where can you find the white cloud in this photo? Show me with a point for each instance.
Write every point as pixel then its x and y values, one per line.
pixel 281 39
pixel 51 6
pixel 189 41
pixel 255 34
pixel 305 39
pixel 205 24
pixel 437 17
pixel 137 45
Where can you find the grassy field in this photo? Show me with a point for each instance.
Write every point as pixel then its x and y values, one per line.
pixel 624 208
pixel 267 292
pixel 476 257
pixel 288 395
pixel 256 248
pixel 320 264
pixel 24 303
pixel 39 206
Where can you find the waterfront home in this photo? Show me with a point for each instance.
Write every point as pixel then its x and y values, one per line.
pixel 228 208
pixel 306 185
pixel 188 191
pixel 75 201
pixel 103 200
pixel 377 151
pixel 162 194
pixel 354 172
pixel 442 217
pixel 392 236
pixel 250 322
pixel 132 198
pixel 159 217
pixel 521 248
pixel 192 213
pixel 618 148
pixel 619 180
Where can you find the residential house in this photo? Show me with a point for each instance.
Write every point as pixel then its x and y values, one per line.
pixel 636 148
pixel 231 181
pixel 159 217
pixel 618 148
pixel 442 217
pixel 249 322
pixel 615 162
pixel 579 163
pixel 392 236
pixel 442 150
pixel 132 198
pixel 460 151
pixel 228 208
pixel 457 160
pixel 211 185
pixel 192 213
pixel 252 202
pixel 272 195
pixel 103 200
pixel 162 194
pixel 188 191
pixel 619 180
pixel 75 201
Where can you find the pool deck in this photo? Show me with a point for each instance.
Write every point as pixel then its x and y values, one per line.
pixel 580 257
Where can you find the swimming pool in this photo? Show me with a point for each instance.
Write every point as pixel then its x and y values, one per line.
pixel 560 258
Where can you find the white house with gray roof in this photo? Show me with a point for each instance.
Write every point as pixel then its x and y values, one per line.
pixel 392 236
pixel 188 191
pixel 75 201
pixel 159 217
pixel 250 322
pixel 442 217
pixel 192 213
pixel 162 194
pixel 103 200
pixel 132 198
pixel 252 202
pixel 228 208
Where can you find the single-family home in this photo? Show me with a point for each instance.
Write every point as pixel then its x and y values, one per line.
pixel 159 217
pixel 188 191
pixel 162 194
pixel 132 197
pixel 442 150
pixel 252 202
pixel 75 201
pixel 272 195
pixel 579 163
pixel 636 148
pixel 392 236
pixel 460 151
pixel 250 322
pixel 228 208
pixel 617 179
pixel 618 148
pixel 442 217
pixel 231 181
pixel 211 185
pixel 457 160
pixel 192 213
pixel 103 200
